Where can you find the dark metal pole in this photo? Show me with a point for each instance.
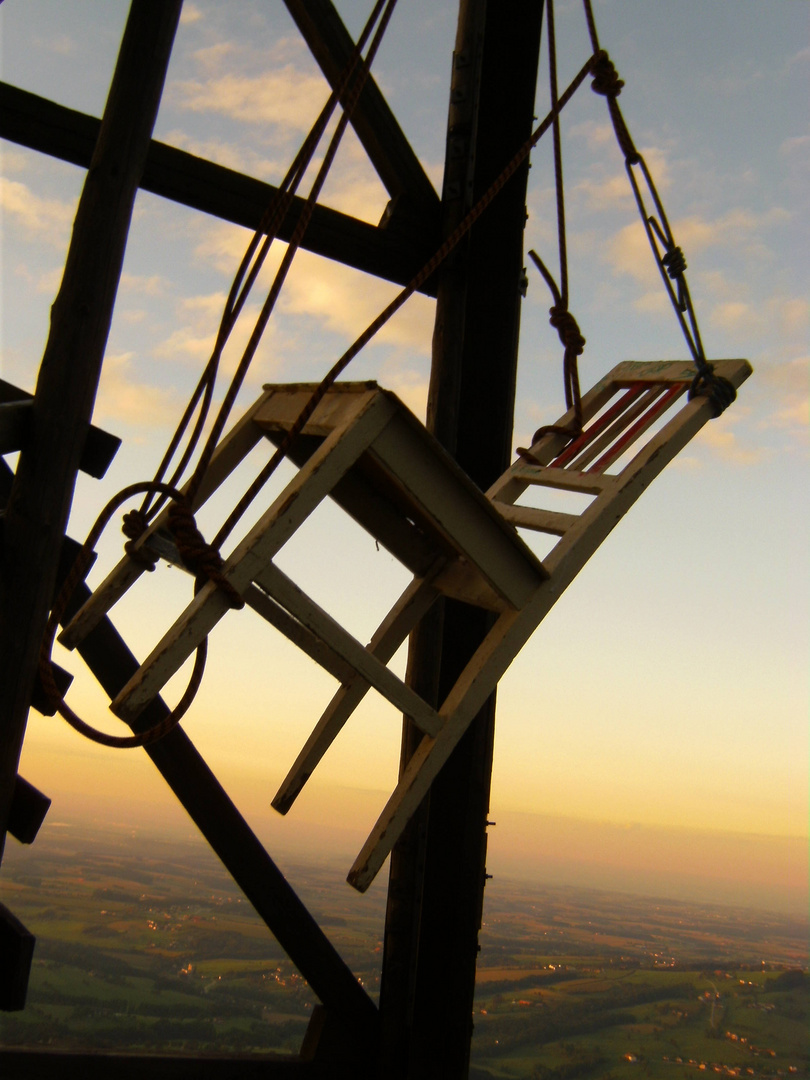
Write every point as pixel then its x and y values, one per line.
pixel 40 500
pixel 438 870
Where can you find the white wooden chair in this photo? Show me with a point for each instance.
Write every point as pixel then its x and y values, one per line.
pixel 364 449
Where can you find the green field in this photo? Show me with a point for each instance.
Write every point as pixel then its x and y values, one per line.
pixel 162 953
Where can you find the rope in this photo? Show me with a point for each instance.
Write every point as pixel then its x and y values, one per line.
pixel 202 559
pixel 254 259
pixel 574 345
pixel 77 574
pixel 669 257
pixel 427 270
pixel 561 318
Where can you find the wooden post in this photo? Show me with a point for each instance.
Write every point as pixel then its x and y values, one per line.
pixel 438 869
pixel 41 496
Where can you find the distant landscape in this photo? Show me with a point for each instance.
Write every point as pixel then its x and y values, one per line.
pixel 153 949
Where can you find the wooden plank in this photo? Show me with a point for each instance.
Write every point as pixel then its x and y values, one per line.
pixel 412 605
pixel 16 954
pixel 28 810
pixel 513 629
pixel 236 445
pixel 15 420
pixel 362 494
pixel 301 496
pixel 566 479
pixel 530 517
pixel 41 496
pixel 655 411
pixel 395 255
pixel 362 660
pixel 598 426
pixel 628 408
pixel 298 634
pixel 376 126
pixel 459 510
pixel 100 446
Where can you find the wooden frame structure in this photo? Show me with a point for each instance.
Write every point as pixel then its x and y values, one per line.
pixel 363 448
pixel 422 1027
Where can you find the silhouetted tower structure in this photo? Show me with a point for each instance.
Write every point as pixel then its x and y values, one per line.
pixel 424 1022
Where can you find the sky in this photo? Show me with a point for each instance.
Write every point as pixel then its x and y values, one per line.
pixel 653 733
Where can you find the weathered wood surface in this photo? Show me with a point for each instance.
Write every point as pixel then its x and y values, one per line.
pixel 100 446
pixel 231 451
pixel 230 837
pixel 41 495
pixel 406 613
pixel 486 560
pixel 377 128
pixel 393 254
pixel 16 954
pixel 513 629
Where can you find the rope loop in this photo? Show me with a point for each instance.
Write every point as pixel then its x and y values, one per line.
pixel 566 326
pixel 134 525
pixel 675 262
pixel 203 560
pixel 606 79
pixel 720 392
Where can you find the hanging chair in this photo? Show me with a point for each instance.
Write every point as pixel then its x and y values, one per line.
pixel 364 449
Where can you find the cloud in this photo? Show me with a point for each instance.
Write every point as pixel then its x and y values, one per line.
pixel 345 302
pixel 40 217
pixel 122 400
pixel 736 316
pixel 193 339
pixel 140 284
pixel 720 437
pixel 794 145
pixel 190 14
pixel 240 158
pixel 789 383
pixel 353 186
pixel 628 252
pixel 61 45
pixel 288 98
pixel 594 134
pixel 12 159
pixel 409 383
pixel 614 191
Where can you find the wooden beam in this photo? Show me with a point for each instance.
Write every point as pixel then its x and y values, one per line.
pixel 41 495
pixel 428 981
pixel 97 453
pixel 401 172
pixel 230 837
pixel 28 809
pixel 392 254
pixel 16 953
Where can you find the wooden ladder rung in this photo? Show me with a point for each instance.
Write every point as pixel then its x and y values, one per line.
pixel 364 662
pixel 531 517
pixel 412 605
pixel 567 479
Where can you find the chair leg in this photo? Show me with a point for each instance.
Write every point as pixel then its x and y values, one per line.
pixel 403 617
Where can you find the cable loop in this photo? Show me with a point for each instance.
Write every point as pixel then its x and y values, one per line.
pixel 675 262
pixel 201 558
pixel 720 391
pixel 566 326
pixel 134 525
pixel 606 78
